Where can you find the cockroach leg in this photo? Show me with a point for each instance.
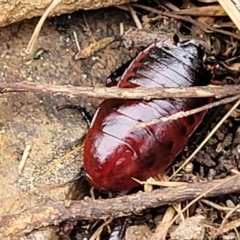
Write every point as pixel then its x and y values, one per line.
pixel 111 80
pixel 81 174
pixel 119 230
pixel 82 110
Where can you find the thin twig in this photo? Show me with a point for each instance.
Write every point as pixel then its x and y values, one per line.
pixel 87 25
pixel 163 224
pixel 206 139
pixel 122 7
pixel 217 206
pixel 229 226
pixel 121 29
pixel 122 93
pixel 225 220
pixel 52 213
pixel 99 230
pixel 232 11
pixel 183 114
pixel 54 163
pixel 24 158
pixel 135 17
pixel 187 19
pixel 197 199
pixel 76 41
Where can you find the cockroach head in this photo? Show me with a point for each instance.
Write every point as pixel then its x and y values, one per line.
pixel 193 47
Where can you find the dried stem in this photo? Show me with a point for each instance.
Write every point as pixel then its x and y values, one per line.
pixel 52 213
pixel 135 17
pixel 187 19
pixel 228 215
pixel 121 93
pixel 207 138
pixel 182 114
pixel 38 28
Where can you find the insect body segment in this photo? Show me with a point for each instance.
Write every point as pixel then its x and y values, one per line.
pixel 115 150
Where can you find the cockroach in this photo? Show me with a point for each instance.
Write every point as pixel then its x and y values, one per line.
pixel 115 151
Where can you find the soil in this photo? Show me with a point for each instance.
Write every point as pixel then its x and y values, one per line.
pixel 32 120
pixel 54 137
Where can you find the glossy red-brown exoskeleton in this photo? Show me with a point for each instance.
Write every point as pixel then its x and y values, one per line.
pixel 115 150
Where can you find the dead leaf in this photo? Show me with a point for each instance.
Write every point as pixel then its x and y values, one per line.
pixel 191 229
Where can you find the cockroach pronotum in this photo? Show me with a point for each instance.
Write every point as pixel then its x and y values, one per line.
pixel 115 151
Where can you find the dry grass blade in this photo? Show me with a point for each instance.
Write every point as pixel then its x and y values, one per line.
pixel 208 1
pixel 76 41
pixel 206 139
pixel 57 161
pixel 88 27
pixel 97 233
pixel 24 158
pixel 232 11
pixel 194 201
pixel 123 7
pixel 219 231
pixel 230 226
pixel 135 17
pixel 187 19
pixel 178 207
pixel 167 4
pixel 210 11
pixel 151 181
pixel 217 206
pixel 163 225
pixel 38 28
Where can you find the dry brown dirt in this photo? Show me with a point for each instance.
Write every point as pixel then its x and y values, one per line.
pixel 32 120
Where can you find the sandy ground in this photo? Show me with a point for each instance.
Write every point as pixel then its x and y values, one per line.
pixel 28 120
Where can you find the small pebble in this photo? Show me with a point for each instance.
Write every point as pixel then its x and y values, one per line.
pixel 230 203
pixel 229 236
pixel 188 168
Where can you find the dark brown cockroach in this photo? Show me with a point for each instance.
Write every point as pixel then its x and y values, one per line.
pixel 115 151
